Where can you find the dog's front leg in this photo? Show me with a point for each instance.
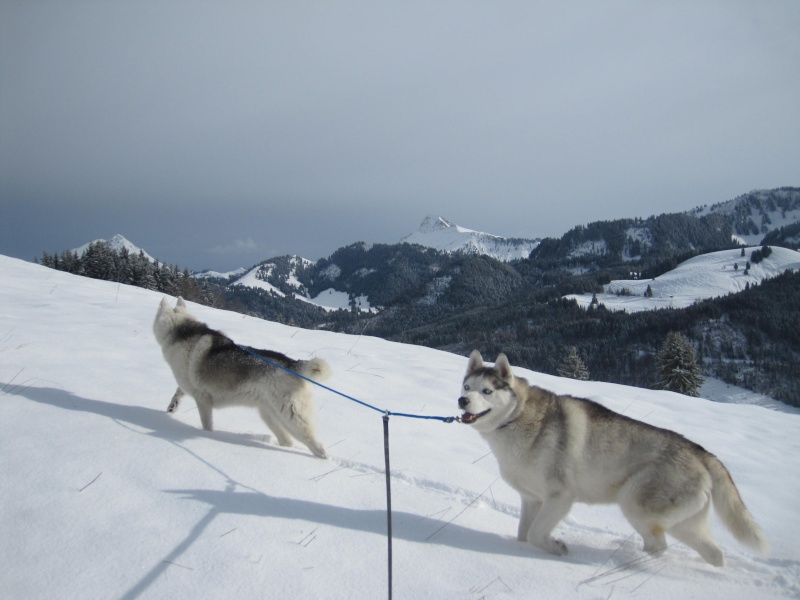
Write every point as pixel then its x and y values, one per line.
pixel 529 510
pixel 553 508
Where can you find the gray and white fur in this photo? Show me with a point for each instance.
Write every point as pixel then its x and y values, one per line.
pixel 556 450
pixel 216 372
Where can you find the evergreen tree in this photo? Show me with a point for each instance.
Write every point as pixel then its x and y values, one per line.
pixel 97 261
pixel 573 366
pixel 677 366
pixel 147 278
pixel 207 297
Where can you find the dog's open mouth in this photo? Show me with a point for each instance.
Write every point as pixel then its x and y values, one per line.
pixel 469 418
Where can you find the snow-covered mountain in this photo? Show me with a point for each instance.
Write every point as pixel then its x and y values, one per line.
pixel 705 276
pixel 439 233
pixel 116 243
pixel 105 495
pixel 757 213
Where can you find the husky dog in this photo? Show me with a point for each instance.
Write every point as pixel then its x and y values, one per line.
pixel 216 372
pixel 556 450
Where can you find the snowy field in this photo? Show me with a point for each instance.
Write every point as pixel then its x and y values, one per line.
pixel 105 495
pixel 705 276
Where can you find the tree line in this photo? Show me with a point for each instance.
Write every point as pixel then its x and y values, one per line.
pixel 100 261
pixel 461 302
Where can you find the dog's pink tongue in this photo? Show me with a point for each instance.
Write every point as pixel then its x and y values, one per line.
pixel 468 417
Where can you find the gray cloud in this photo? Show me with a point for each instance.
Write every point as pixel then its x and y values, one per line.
pixel 236 247
pixel 305 126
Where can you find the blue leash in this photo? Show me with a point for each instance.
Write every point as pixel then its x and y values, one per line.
pixel 343 395
pixel 386 415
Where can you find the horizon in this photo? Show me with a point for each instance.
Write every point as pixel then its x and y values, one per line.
pixel 449 222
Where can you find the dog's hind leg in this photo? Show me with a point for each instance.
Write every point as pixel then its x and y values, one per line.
pixel 205 407
pixel 298 423
pixel 176 400
pixel 695 533
pixel 274 424
pixel 647 525
pixel 305 433
pixel 655 542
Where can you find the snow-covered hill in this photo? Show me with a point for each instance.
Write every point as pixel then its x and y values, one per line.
pixel 209 274
pixel 266 275
pixel 116 243
pixel 706 276
pixel 758 212
pixel 438 233
pixel 260 275
pixel 105 495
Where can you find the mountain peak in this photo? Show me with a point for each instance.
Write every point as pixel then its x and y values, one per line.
pixel 440 234
pixel 433 223
pixel 117 243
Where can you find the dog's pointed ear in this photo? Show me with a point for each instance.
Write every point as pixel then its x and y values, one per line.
pixel 475 362
pixel 164 305
pixel 180 303
pixel 503 368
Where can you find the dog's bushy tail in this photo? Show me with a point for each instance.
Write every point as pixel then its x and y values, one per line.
pixel 731 509
pixel 316 369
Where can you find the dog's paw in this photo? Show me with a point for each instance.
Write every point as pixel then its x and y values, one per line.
pixel 552 546
pixel 560 547
pixel 318 451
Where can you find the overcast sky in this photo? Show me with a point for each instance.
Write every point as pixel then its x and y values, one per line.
pixel 219 134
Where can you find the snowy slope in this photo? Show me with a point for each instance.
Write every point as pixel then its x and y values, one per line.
pixel 329 299
pixel 706 276
pixel 105 495
pixel 258 275
pixel 758 212
pixel 209 274
pixel 438 233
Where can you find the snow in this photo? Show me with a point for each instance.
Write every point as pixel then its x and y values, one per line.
pixel 440 234
pixel 329 299
pixel 105 495
pixel 705 276
pixel 250 279
pixel 758 204
pixel 209 274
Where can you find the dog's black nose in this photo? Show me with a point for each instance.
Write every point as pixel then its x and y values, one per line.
pixel 463 402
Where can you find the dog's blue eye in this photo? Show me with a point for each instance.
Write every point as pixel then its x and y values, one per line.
pixel 487 391
pixel 466 387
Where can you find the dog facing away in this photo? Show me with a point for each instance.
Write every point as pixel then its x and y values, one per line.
pixel 557 450
pixel 213 370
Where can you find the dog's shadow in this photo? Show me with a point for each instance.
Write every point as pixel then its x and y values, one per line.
pixel 406 526
pixel 147 421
